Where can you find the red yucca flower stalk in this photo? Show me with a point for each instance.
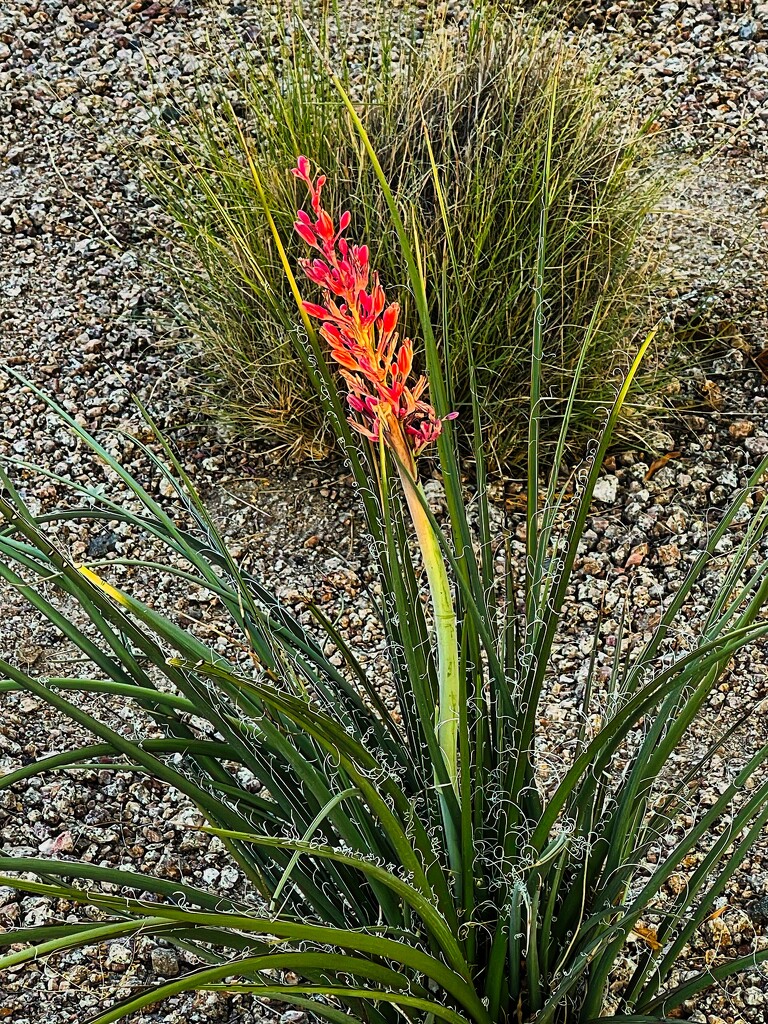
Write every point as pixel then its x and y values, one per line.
pixel 361 330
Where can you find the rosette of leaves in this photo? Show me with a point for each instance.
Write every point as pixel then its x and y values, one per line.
pixel 386 891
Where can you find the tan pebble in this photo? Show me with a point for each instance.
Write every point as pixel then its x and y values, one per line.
pixel 592 567
pixel 740 429
pixel 677 883
pixel 637 556
pixel 669 554
pixel 719 932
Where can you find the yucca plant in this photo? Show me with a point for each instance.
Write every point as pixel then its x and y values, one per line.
pixel 484 98
pixel 411 862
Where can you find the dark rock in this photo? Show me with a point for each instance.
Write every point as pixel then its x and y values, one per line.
pixel 99 545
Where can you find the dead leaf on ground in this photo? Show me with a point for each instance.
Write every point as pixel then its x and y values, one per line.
pixel 659 463
pixel 761 362
pixel 648 935
pixel 713 394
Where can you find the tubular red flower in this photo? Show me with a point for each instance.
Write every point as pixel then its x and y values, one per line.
pixel 389 318
pixel 361 333
pixel 318 312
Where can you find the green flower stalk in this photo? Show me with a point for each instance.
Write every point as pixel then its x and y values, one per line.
pixel 447 712
pixel 376 363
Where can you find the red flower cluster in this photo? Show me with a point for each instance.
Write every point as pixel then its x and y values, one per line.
pixel 361 330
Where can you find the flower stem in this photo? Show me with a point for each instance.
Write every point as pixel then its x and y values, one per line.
pixel 447 711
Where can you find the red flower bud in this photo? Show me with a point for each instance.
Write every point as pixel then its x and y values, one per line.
pixel 319 312
pixel 306 232
pixel 389 319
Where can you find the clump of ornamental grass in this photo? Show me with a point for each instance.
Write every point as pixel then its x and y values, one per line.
pixel 481 102
pixel 416 863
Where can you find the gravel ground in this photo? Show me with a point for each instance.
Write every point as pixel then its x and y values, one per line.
pixel 81 316
pixel 702 64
